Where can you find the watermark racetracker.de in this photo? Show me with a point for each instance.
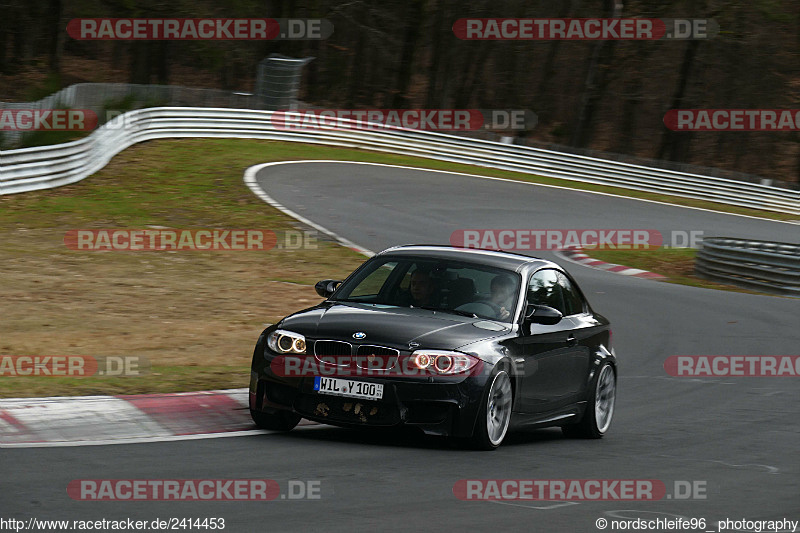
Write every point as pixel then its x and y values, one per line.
pixel 170 239
pixel 733 119
pixel 199 29
pixel 524 239
pixel 73 365
pixel 578 490
pixel 47 120
pixel 586 29
pixel 733 365
pixel 193 490
pixel 416 119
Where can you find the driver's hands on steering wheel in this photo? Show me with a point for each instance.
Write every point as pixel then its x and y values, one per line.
pixel 499 312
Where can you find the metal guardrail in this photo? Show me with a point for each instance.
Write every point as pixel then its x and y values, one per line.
pixel 29 169
pixel 277 86
pixel 102 98
pixel 772 267
pixel 278 80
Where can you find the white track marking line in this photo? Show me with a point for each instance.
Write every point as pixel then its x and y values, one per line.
pixel 543 508
pixel 137 440
pixel 251 181
pixel 153 439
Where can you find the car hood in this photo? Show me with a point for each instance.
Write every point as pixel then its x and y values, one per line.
pixel 391 326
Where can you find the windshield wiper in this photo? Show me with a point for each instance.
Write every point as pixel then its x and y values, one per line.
pixel 452 311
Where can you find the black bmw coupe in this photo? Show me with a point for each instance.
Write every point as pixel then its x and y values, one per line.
pixel 462 343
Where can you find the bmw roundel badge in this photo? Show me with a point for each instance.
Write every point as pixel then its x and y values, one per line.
pixel 359 335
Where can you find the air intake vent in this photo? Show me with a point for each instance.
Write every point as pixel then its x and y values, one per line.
pixel 366 349
pixel 332 348
pixel 376 357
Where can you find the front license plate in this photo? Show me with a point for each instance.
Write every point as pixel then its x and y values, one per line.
pixel 349 388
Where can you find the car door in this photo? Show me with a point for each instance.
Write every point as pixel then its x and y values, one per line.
pixel 551 353
pixel 583 329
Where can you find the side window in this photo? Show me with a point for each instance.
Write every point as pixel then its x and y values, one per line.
pixel 573 302
pixel 544 289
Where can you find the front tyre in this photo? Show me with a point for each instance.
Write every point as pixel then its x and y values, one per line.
pixel 599 409
pixel 280 421
pixel 494 415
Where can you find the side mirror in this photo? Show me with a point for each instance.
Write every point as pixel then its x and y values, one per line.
pixel 542 314
pixel 326 287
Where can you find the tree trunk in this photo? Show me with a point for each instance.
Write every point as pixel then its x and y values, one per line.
pixel 475 69
pixel 163 61
pixel 356 71
pixel 413 18
pixel 596 81
pixel 139 63
pixel 438 33
pixel 54 29
pixel 674 143
pixel 549 63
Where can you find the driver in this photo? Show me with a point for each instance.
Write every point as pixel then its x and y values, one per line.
pixel 502 293
pixel 421 288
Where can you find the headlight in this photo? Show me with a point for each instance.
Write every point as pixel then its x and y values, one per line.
pixel 443 362
pixel 282 341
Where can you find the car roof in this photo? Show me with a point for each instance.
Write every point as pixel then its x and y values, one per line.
pixel 495 258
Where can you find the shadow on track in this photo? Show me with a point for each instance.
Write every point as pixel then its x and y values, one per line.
pixel 409 438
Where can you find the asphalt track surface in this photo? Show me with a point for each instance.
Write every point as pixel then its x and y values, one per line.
pixel 737 435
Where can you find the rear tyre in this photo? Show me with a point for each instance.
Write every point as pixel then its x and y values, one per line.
pixel 599 409
pixel 494 415
pixel 280 421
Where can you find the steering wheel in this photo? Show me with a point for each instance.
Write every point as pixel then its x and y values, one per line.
pixel 496 308
pixel 483 307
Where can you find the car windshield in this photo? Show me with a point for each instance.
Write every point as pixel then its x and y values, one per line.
pixel 456 287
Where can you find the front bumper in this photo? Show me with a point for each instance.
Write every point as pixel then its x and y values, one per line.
pixel 444 407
